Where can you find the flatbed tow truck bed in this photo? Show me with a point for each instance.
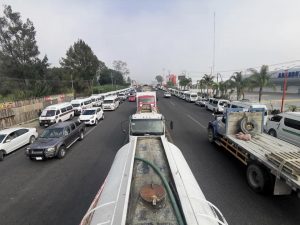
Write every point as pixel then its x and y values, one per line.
pixel 262 154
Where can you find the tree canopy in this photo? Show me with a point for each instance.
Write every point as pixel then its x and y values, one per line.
pixel 19 53
pixel 82 64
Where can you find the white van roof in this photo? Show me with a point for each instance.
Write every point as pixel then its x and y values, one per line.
pixel 111 97
pixel 292 115
pixel 58 106
pixel 249 104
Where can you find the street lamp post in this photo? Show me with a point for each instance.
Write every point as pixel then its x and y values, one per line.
pixel 284 90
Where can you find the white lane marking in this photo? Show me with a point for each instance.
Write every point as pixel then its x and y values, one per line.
pixel 172 103
pixel 87 133
pixel 200 124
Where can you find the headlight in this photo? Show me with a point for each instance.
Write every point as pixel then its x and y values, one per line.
pixel 52 149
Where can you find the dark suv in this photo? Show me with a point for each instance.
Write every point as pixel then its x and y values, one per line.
pixel 55 140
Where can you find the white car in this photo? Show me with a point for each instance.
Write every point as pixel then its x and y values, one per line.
pixel 12 139
pixel 285 126
pixel 91 116
pixel 201 102
pixel 167 95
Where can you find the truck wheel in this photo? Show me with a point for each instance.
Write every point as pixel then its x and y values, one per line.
pixel 272 133
pixel 61 152
pixel 81 136
pixel 259 179
pixel 1 155
pixel 210 134
pixel 31 139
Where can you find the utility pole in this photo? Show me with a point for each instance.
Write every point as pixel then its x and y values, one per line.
pixel 284 90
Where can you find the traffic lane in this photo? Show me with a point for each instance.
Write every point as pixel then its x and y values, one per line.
pixel 60 191
pixel 222 177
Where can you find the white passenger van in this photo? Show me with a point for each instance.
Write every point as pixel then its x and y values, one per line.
pixel 111 103
pixel 285 126
pixel 56 113
pixel 249 106
pixel 191 96
pixel 80 104
pixel 97 100
pixel 216 105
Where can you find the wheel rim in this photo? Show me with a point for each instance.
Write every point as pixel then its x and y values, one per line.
pixel 32 139
pixel 62 152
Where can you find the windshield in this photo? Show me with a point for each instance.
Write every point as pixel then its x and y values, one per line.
pixel 108 101
pixel 142 127
pixel 146 99
pixel 2 136
pixel 76 105
pixel 52 133
pixel 88 112
pixel 194 96
pixel 48 113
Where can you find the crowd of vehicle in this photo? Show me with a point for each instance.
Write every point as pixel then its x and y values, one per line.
pixel 61 131
pixel 285 126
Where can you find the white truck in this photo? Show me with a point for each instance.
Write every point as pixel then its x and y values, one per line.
pixel 273 165
pixel 150 183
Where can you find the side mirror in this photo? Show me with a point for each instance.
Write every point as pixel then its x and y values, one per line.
pixel 7 141
pixel 171 125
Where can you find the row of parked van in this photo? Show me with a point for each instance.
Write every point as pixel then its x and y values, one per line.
pixel 67 110
pixel 189 96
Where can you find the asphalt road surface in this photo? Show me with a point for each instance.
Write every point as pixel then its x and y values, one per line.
pixel 59 192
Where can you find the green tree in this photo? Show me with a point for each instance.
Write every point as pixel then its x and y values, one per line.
pixel 19 53
pixel 110 76
pixel 159 79
pixel 170 84
pixel 185 82
pixel 260 79
pixel 121 66
pixel 82 64
pixel 208 81
pixel 240 84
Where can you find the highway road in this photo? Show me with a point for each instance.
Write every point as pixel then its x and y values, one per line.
pixel 59 192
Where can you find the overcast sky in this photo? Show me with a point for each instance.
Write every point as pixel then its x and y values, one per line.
pixel 161 36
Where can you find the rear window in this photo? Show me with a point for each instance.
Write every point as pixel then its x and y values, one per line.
pixel 292 123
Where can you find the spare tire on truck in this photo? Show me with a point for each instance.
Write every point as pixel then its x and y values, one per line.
pixel 249 126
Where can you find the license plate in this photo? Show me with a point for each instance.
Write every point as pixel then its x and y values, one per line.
pixel 46 125
pixel 38 158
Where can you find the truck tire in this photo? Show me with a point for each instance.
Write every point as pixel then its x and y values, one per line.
pixel 61 152
pixel 259 179
pixel 210 134
pixel 249 127
pixel 272 132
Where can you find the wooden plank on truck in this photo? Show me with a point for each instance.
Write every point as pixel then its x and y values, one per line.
pixel 287 161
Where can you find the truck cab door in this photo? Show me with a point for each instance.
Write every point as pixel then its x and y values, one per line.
pixel 221 125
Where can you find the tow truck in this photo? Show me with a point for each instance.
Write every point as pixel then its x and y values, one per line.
pixel 273 165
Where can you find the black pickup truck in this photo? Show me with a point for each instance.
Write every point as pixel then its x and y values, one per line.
pixel 55 140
